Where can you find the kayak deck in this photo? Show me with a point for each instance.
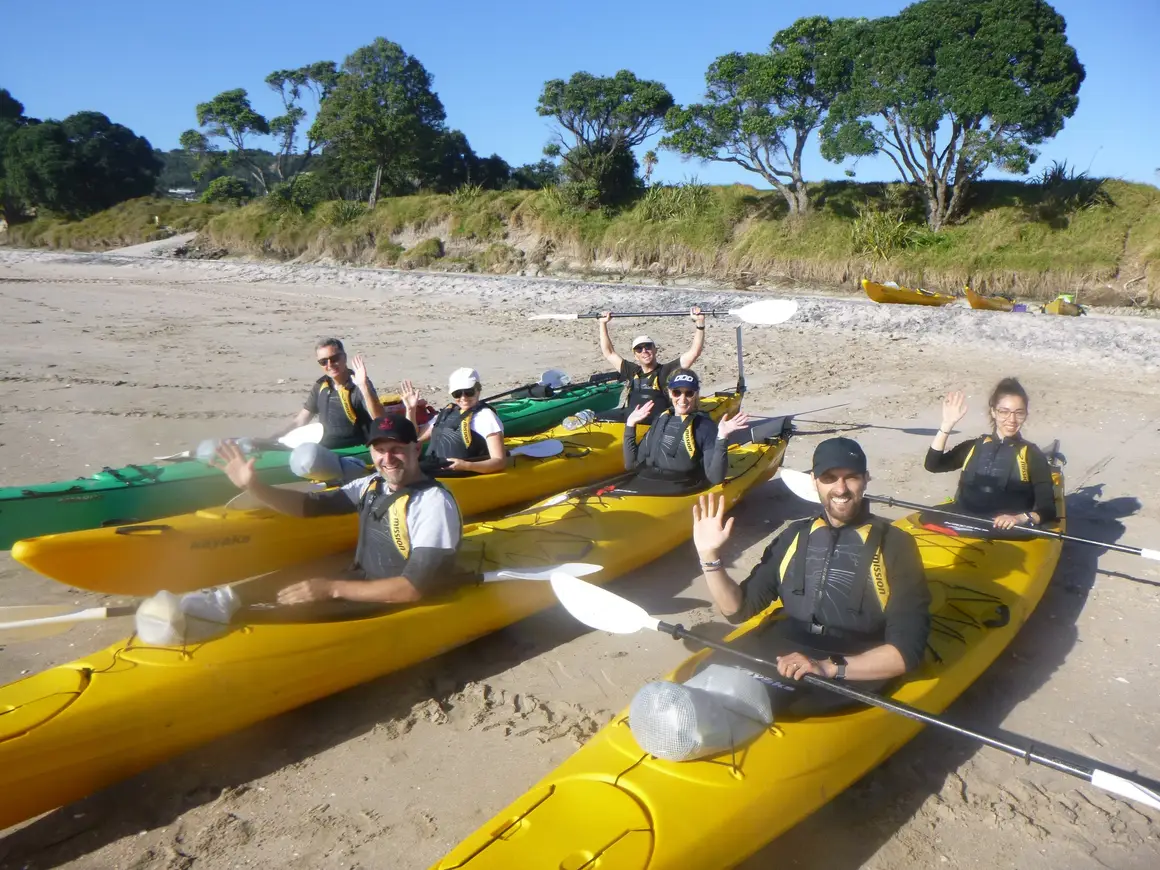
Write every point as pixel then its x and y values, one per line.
pixel 642 809
pixel 75 728
pixel 884 294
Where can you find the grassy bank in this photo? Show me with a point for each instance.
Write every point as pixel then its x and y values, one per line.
pixel 1099 239
pixel 134 222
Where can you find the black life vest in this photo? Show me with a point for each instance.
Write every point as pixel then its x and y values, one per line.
pixel 452 436
pixel 384 545
pixel 996 477
pixel 669 451
pixel 343 421
pixel 828 597
pixel 646 387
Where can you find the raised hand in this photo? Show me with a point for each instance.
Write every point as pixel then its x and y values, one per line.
pixel 410 395
pixel 238 468
pixel 696 315
pixel 729 425
pixel 710 528
pixel 640 412
pixel 605 316
pixel 954 408
pixel 359 369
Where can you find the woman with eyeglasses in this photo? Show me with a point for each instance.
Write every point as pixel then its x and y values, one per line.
pixel 1005 477
pixel 683 448
pixel 466 437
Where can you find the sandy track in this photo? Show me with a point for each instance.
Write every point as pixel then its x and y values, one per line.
pixel 113 359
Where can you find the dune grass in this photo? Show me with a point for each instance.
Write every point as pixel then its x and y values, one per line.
pixel 129 223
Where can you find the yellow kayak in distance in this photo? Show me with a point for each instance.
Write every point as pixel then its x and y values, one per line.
pixel 223 545
pixel 76 728
pixel 987 303
pixel 1064 307
pixel 885 294
pixel 613 806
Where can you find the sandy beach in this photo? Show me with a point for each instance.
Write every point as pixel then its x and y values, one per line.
pixel 116 358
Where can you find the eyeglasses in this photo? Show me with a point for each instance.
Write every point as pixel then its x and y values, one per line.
pixel 678 393
pixel 641 348
pixel 1004 413
pixel 329 360
pixel 459 394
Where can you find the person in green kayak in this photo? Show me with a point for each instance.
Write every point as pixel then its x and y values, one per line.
pixel 646 377
pixel 683 449
pixel 343 399
pixel 851 586
pixel 466 437
pixel 1005 478
pixel 409 524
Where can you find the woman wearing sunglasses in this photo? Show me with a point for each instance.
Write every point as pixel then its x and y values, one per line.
pixel 466 437
pixel 683 448
pixel 1005 477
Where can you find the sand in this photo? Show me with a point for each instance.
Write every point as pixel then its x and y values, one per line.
pixel 110 359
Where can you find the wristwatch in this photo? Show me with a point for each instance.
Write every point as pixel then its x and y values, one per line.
pixel 840 661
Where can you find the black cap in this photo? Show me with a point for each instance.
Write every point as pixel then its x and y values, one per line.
pixel 392 427
pixel 839 453
pixel 686 378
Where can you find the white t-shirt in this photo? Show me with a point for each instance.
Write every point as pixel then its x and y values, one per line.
pixel 432 515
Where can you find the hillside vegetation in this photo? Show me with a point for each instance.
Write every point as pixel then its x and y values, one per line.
pixel 133 222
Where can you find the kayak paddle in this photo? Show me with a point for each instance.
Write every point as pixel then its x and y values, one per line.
pixel 311 433
pixel 801 485
pixel 34 621
pixel 600 609
pixel 767 312
pixel 539 449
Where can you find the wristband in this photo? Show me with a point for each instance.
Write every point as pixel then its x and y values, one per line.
pixel 716 563
pixel 700 327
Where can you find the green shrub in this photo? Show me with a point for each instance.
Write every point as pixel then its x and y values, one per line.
pixel 387 252
pixel 227 189
pixel 298 196
pixel 341 212
pixel 423 254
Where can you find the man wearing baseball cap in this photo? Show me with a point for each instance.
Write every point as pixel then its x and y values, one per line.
pixel 683 449
pixel 409 525
pixel 646 379
pixel 466 437
pixel 851 586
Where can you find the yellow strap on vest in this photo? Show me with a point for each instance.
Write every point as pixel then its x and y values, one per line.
pixel 789 553
pixel 879 578
pixel 465 429
pixel 1021 458
pixel 689 442
pixel 343 397
pixel 397 523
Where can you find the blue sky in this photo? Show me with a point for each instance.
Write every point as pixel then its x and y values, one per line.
pixel 146 64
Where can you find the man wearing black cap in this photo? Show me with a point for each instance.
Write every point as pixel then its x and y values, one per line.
pixel 409 525
pixel 646 377
pixel 684 448
pixel 851 585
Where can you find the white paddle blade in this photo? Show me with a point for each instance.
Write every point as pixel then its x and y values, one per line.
pixel 598 608
pixel 575 569
pixel 540 449
pixel 35 621
pixel 800 484
pixel 311 433
pixel 555 378
pixel 767 312
pixel 173 457
pixel 1117 785
pixel 552 316
pixel 1154 555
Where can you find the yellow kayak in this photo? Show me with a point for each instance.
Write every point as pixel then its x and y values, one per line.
pixel 1062 306
pixel 635 811
pixel 987 303
pixel 73 729
pixel 904 295
pixel 222 545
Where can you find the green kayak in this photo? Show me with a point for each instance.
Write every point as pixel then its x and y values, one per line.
pixel 137 493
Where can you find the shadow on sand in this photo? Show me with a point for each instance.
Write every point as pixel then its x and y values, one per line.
pixel 872 810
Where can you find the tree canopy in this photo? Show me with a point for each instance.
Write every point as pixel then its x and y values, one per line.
pixel 760 109
pixel 950 87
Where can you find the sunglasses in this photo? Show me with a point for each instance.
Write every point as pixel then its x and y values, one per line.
pixel 1004 413
pixel 677 393
pixel 640 348
pixel 459 394
pixel 331 360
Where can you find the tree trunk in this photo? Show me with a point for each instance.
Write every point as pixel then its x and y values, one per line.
pixel 374 197
pixel 803 198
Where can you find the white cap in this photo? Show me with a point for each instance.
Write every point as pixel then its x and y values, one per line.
pixel 462 379
pixel 641 339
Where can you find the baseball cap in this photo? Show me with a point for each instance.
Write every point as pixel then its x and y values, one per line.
pixel 839 453
pixel 462 379
pixel 684 378
pixel 642 339
pixel 392 427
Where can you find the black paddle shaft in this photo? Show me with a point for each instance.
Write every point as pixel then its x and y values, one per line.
pixel 1028 753
pixel 1031 530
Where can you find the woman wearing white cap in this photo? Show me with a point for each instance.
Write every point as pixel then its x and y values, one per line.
pixel 466 437
pixel 646 378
